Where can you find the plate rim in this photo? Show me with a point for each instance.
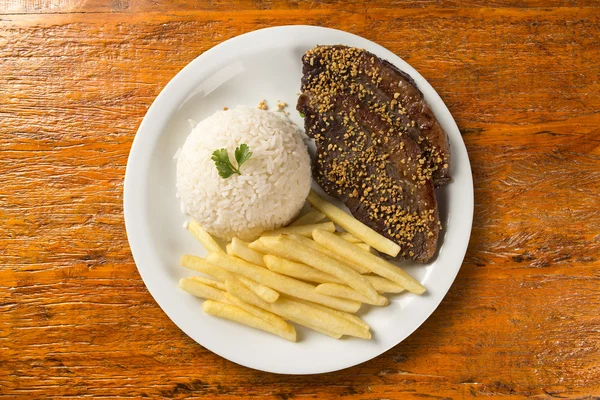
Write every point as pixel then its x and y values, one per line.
pixel 137 146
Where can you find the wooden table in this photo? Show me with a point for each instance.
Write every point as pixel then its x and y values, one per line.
pixel 522 81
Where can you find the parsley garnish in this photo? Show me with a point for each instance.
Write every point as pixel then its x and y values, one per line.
pixel 224 166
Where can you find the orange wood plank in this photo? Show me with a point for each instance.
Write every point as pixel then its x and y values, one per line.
pixel 522 318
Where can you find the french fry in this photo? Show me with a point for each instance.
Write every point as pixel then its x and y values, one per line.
pixel 301 313
pixel 304 230
pixel 201 265
pixel 354 226
pixel 377 265
pixel 384 285
pixel 236 314
pixel 203 237
pixel 349 237
pixel 240 248
pixel 310 218
pixel 264 292
pixel 201 290
pixel 308 242
pixel 197 287
pixel 347 316
pixel 345 292
pixel 290 249
pixel 322 319
pixel 209 282
pixel 366 247
pixel 271 318
pixel 259 247
pixel 248 297
pixel 319 329
pixel 298 270
pixel 229 249
pixel 282 283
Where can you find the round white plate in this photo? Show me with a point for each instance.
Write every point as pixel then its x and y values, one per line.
pixel 266 64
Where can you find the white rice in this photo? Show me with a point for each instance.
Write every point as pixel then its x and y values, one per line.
pixel 273 184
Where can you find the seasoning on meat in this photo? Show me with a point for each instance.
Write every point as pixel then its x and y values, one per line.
pixel 379 147
pixel 263 105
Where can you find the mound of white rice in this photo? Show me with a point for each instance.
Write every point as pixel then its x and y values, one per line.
pixel 273 184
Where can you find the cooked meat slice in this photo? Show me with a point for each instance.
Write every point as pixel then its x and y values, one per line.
pixel 375 154
pixel 394 95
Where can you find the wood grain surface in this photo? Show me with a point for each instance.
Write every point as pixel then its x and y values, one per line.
pixel 522 80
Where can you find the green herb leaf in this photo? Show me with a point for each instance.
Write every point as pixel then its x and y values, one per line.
pixel 221 159
pixel 242 154
pixel 220 156
pixel 225 170
pixel 301 114
pixel 224 166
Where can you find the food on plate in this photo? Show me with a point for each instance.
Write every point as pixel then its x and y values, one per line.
pixel 244 175
pixel 199 264
pixel 295 251
pixel 310 218
pixel 234 313
pixel 263 105
pixel 308 242
pixel 264 193
pixel 347 316
pixel 203 237
pixel 280 283
pixel 205 289
pixel 366 247
pixel 384 285
pixel 306 273
pixel 349 237
pixel 304 230
pixel 298 270
pixel 250 278
pixel 304 313
pixel 242 293
pixel 380 148
pixel 257 312
pixel 345 292
pixel 318 329
pixel 240 249
pixel 375 264
pixel 317 317
pixel 202 290
pixel 258 246
pixel 354 226
pixel 208 282
pixel 223 162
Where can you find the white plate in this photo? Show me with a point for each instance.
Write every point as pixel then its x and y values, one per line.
pixel 266 64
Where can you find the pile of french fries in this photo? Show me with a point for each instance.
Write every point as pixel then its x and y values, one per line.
pixel 306 273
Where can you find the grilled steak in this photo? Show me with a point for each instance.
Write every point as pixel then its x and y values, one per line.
pixel 379 147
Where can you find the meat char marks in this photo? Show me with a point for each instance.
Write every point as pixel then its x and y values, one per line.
pixel 380 148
